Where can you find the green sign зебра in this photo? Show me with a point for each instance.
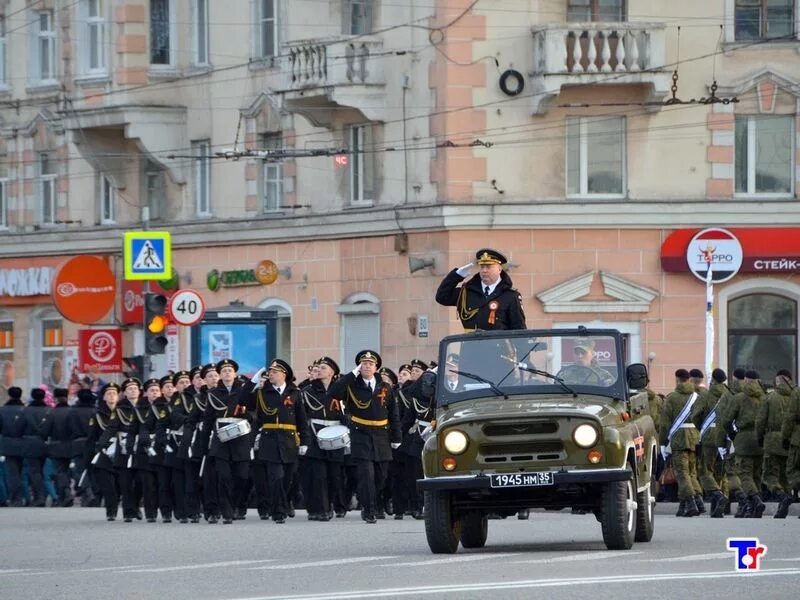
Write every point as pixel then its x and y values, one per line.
pixel 238 278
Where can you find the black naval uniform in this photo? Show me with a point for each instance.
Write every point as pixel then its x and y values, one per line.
pixel 374 426
pixel 103 427
pixel 59 449
pixel 414 421
pixel 232 458
pixel 124 428
pixel 12 429
pixel 200 459
pixel 323 469
pixel 80 416
pixel 280 420
pixel 34 448
pixel 146 478
pixel 164 447
pixel 184 487
pixel 400 497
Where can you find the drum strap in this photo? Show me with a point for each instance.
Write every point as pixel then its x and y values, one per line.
pixel 100 422
pixel 213 400
pixel 370 423
pixel 286 426
pixel 325 422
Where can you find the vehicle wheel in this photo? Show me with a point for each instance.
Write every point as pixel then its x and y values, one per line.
pixel 441 528
pixel 645 512
pixel 618 519
pixel 474 529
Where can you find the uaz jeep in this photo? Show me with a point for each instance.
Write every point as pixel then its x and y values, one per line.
pixel 538 419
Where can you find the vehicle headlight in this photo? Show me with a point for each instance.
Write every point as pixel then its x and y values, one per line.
pixel 456 442
pixel 585 435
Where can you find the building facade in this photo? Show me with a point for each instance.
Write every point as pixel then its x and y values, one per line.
pixel 341 138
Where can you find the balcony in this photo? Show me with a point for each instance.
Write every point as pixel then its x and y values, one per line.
pixel 333 73
pixel 598 54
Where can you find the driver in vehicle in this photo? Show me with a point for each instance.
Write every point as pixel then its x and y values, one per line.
pixel 585 370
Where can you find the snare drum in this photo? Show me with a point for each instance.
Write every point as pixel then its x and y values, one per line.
pixel 334 437
pixel 229 428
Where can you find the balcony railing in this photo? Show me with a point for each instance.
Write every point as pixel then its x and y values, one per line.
pixel 329 63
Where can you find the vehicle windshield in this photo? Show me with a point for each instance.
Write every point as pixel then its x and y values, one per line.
pixel 512 363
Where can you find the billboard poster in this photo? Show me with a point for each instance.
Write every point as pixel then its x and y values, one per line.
pixel 246 343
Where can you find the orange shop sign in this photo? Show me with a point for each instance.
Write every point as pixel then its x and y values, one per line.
pixel 84 289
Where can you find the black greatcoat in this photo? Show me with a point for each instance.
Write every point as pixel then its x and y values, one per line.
pixel 123 426
pixel 12 428
pixel 201 434
pixel 35 419
pixel 103 427
pixel 161 410
pixel 315 398
pixel 147 425
pixel 222 403
pixel 182 406
pixel 57 431
pixel 278 445
pixel 475 309
pixel 368 442
pixel 421 410
pixel 79 427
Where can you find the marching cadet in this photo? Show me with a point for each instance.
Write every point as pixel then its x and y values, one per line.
pixel 79 425
pixel 231 458
pixel 323 475
pixel 407 375
pixel 201 439
pixel 415 421
pixel 59 445
pixel 123 429
pixel 386 497
pixel 709 464
pixel 280 420
pixel 142 450
pixel 403 373
pixel 790 441
pixel 679 437
pixel 769 422
pixel 742 412
pixel 724 446
pixel 179 440
pixel 196 376
pixel 163 448
pixel 370 412
pixel 34 449
pixel 12 430
pixel 104 446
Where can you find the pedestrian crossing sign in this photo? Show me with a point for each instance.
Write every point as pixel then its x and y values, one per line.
pixel 147 255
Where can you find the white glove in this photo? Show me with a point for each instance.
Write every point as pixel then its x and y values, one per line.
pixel 302 450
pixel 434 369
pixel 256 379
pixel 722 452
pixel 2 459
pixel 522 365
pixel 357 370
pixel 464 271
pixel 665 452
pixel 395 445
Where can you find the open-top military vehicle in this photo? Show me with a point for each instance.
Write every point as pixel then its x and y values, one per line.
pixel 538 419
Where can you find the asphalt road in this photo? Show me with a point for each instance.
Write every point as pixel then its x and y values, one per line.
pixel 74 553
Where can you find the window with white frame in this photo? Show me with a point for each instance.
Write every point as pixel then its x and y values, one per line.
pixel 596 156
pixel 271 177
pixel 764 155
pixel 585 11
pixel 764 19
pixel 154 192
pixel 201 150
pixel 108 201
pixel 200 32
pixel 360 145
pixel 3 76
pixel 267 34
pixel 47 189
pixel 93 37
pixel 52 351
pixel 3 195
pixel 358 15
pixel 161 33
pixel 45 52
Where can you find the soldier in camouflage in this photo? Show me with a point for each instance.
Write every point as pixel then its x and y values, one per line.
pixel 790 440
pixel 769 421
pixel 709 461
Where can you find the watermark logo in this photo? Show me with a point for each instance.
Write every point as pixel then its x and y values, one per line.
pixel 749 552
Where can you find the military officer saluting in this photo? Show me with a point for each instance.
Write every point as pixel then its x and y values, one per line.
pixel 487 300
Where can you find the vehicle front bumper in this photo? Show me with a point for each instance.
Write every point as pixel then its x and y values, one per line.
pixel 560 478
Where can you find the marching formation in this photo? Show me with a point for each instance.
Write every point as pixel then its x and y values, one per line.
pixel 209 443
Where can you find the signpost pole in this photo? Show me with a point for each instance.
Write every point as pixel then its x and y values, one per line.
pixel 146 362
pixel 709 320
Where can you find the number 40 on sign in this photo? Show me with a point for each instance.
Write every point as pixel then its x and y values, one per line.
pixel 187 307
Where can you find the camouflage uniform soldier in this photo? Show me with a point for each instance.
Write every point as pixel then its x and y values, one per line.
pixel 790 433
pixel 749 454
pixel 710 462
pixel 733 481
pixel 679 437
pixel 768 427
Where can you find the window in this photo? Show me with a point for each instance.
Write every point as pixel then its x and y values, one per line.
pixel 362 163
pixel 357 17
pixel 161 34
pixel 762 334
pixel 201 150
pixel 596 156
pixel 200 32
pixel 6 358
pixel 154 189
pixel 3 76
pixel 271 177
pixel 3 195
pixel 764 155
pixel 94 40
pixel 267 40
pixel 45 47
pixel 52 353
pixel 47 190
pixel 764 19
pixel 585 11
pixel 360 324
pixel 107 201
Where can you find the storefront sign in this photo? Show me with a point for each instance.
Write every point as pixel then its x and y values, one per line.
pixel 33 281
pixel 763 250
pixel 173 348
pixel 265 273
pixel 718 249
pixel 84 289
pixel 100 350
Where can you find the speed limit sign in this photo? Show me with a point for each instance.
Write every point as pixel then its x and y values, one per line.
pixel 187 307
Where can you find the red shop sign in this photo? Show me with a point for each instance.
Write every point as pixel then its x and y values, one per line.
pixel 100 350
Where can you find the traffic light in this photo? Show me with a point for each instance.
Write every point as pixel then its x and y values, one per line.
pixel 133 366
pixel 155 323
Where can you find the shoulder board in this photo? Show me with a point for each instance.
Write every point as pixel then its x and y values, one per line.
pixel 177 402
pixel 163 414
pixel 91 421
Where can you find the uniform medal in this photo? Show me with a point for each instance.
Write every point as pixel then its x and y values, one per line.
pixel 493 306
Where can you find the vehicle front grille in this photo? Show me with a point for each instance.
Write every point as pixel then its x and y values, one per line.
pixel 522 452
pixel 522 428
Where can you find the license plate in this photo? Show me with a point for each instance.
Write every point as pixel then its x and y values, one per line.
pixel 512 480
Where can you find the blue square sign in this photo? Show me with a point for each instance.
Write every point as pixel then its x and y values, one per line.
pixel 147 255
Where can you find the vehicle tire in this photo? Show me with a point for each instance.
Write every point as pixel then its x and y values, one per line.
pixel 441 528
pixel 474 529
pixel 645 512
pixel 618 518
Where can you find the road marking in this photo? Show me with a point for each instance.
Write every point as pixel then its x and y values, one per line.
pixel 65 570
pixel 523 584
pixel 323 563
pixel 10 571
pixel 784 559
pixel 214 565
pixel 456 559
pixel 689 558
pixel 585 556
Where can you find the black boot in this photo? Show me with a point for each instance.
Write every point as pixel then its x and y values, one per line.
pixel 681 509
pixel 691 507
pixel 741 502
pixel 719 504
pixel 758 506
pixel 784 501
pixel 701 507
